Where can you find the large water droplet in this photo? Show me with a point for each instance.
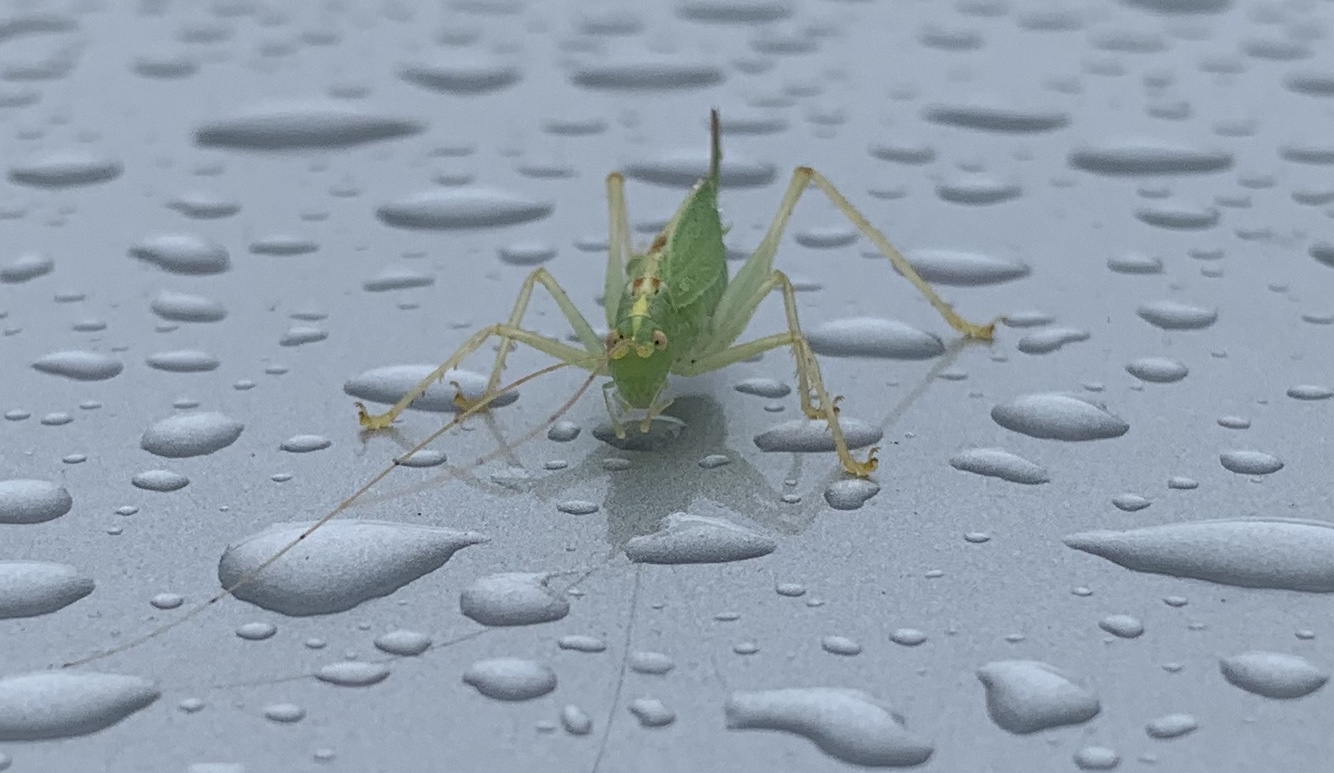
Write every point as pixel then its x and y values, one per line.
pixel 1273 674
pixel 513 598
pixel 65 169
pixel 1253 553
pixel 805 436
pixel 1055 416
pixel 390 383
pixel 183 254
pixel 873 337
pixel 1175 315
pixel 642 75
pixel 301 125
pixel 962 268
pixel 1149 157
pixel 341 565
pixel 848 725
pixel 998 463
pixel 184 307
pixel 510 679
pixel 31 588
pixel 1025 696
pixel 462 77
pixel 24 500
pixel 62 704
pixel 462 208
pixel 191 434
pixel 697 539
pixel 79 365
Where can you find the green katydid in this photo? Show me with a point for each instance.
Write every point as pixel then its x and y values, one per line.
pixel 673 310
pixel 670 310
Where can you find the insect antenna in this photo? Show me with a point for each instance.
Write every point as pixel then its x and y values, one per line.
pixel 473 409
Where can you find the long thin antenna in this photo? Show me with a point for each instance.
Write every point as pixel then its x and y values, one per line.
pixel 715 146
pixel 472 410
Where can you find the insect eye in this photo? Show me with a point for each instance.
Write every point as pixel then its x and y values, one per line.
pixel 659 340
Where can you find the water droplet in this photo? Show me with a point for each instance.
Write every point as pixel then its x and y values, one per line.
pixel 510 679
pixel 873 337
pixel 300 125
pixel 1182 483
pixel 1311 83
pixel 286 713
pixel 191 434
pixel 389 384
pixel 563 431
pixel 338 567
pixel 714 461
pixel 978 189
pixel 462 77
pixel 764 387
pixel 850 494
pixel 1149 157
pixel 62 704
pixel 1157 370
pixel 1232 552
pixel 25 267
pixel 527 253
pixel 283 244
pixel 32 588
pixel 183 307
pixel 79 365
pixel 1174 315
pixel 403 643
pixel 963 269
pixel 456 208
pixel 641 75
pixel 734 11
pixel 1051 339
pixel 202 205
pixel 908 637
pixel 581 643
pixel 651 712
pixel 397 279
pixel 24 500
pixel 1178 215
pixel 513 598
pixel 304 444
pixel 1130 503
pixel 848 725
pixel 256 631
pixel 1055 416
pixel 998 463
pixel 575 720
pixel 66 169
pixel 183 361
pixel 1310 392
pixel 1273 674
pixel 161 481
pixel 652 663
pixel 1135 263
pixel 695 539
pixel 578 507
pixel 182 253
pixel 1025 696
pixel 1172 726
pixel 996 118
pixel 812 436
pixel 1096 758
pixel 684 168
pixel 1250 462
pixel 167 600
pixel 353 673
pixel 1125 626
pixel 826 237
pixel 840 645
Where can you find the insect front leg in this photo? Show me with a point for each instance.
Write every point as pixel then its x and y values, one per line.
pixel 587 336
pixel 816 403
pixel 506 333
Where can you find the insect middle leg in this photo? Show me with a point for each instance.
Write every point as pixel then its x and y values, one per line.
pixel 760 264
pixel 815 400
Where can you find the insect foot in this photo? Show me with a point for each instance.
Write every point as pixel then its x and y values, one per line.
pixel 369 421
